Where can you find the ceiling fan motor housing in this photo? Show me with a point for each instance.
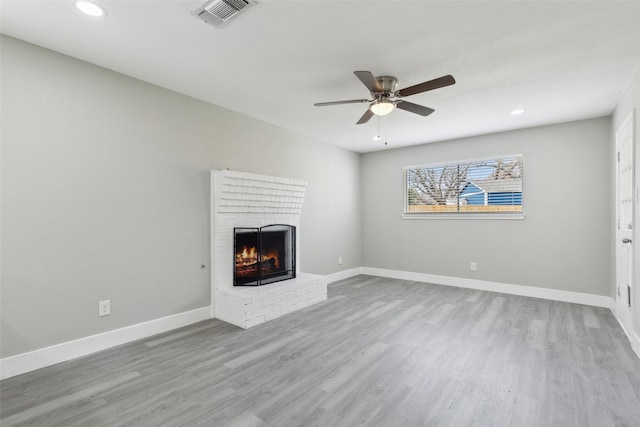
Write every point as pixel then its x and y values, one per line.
pixel 388 84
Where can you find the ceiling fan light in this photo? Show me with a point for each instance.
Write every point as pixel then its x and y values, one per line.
pixel 382 108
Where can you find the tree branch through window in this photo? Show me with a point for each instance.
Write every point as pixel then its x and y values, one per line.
pixel 490 185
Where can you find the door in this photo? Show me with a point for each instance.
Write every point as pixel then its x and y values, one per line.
pixel 624 235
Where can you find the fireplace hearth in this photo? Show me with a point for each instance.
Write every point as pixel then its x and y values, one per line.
pixel 264 255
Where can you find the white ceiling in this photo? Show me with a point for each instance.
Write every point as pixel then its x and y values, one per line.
pixel 559 60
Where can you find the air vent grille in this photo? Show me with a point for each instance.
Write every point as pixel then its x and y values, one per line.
pixel 238 4
pixel 225 9
pixel 218 12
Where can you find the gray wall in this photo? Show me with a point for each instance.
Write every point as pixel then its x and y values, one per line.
pixel 105 195
pixel 563 243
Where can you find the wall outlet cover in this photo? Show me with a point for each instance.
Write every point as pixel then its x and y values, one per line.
pixel 104 308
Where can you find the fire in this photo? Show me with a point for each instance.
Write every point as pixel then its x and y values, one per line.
pixel 249 256
pixel 272 255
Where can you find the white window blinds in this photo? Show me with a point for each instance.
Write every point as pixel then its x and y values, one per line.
pixel 491 185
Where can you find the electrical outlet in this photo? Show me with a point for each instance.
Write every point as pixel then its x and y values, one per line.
pixel 339 260
pixel 473 266
pixel 104 308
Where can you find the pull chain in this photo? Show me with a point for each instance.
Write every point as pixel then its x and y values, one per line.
pixel 385 130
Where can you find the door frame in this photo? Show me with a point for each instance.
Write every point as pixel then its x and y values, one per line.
pixel 632 327
pixel 625 304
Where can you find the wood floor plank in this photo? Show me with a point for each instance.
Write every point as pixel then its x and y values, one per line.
pixel 62 401
pixel 347 372
pixel 263 351
pixel 387 307
pixel 246 419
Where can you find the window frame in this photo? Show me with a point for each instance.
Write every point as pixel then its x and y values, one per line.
pixel 458 214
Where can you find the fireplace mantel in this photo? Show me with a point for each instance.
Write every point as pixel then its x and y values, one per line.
pixel 238 200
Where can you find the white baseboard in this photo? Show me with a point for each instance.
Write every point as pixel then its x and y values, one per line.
pixel 633 337
pixel 635 343
pixel 345 274
pixel 483 285
pixel 613 307
pixel 25 362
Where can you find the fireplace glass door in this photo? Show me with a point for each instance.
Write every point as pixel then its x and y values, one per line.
pixel 264 255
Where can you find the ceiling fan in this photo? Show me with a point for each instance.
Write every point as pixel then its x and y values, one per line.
pixel 385 97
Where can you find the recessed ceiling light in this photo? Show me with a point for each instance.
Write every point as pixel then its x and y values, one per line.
pixel 517 112
pixel 91 9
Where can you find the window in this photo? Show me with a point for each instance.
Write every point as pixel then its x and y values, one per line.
pixel 483 187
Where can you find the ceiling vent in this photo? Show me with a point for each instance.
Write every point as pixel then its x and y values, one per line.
pixel 219 12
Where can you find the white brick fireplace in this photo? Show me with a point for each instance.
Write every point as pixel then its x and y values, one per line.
pixel 241 199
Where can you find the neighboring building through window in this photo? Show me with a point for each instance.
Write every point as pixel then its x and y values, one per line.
pixel 482 186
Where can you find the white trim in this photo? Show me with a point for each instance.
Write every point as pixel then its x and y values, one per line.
pixel 633 337
pixel 213 204
pixel 25 362
pixel 345 274
pixel 483 285
pixel 618 233
pixel 478 159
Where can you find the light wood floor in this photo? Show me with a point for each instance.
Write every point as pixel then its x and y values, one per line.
pixel 379 352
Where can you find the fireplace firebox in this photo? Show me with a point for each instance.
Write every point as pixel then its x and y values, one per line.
pixel 264 255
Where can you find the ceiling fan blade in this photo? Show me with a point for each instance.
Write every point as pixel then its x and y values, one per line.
pixel 365 117
pixel 414 108
pixel 368 80
pixel 351 101
pixel 425 86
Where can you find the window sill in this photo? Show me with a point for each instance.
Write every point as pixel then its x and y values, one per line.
pixel 517 216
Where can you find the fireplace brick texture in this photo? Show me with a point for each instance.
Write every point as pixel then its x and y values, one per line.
pixel 248 200
pixel 246 307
